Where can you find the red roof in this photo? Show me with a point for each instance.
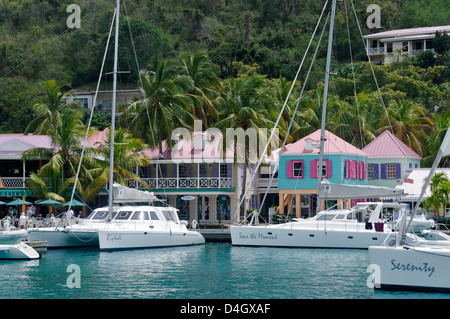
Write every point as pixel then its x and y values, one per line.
pixel 388 145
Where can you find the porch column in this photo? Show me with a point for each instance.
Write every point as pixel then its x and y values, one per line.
pixel 298 205
pixel 213 209
pixel 281 203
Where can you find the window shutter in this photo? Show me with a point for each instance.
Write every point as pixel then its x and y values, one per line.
pixel 375 171
pixel 353 170
pixel 328 169
pixel 215 170
pixel 229 170
pixel 383 173
pixel 289 169
pixel 347 169
pixel 364 170
pixel 314 169
pixel 398 172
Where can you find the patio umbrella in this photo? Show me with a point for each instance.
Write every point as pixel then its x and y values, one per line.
pixel 50 202
pixel 2 203
pixel 74 203
pixel 18 202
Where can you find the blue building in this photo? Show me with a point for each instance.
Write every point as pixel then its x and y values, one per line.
pixel 298 171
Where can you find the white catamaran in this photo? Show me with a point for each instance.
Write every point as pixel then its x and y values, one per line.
pixel 421 266
pixel 358 227
pixel 120 226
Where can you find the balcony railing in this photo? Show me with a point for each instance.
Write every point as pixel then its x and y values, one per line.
pixel 185 182
pixel 264 182
pixel 154 183
pixel 373 51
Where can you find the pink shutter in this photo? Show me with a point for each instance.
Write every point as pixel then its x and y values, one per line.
pixel 314 169
pixel 353 169
pixel 328 169
pixel 364 170
pixel 347 169
pixel 290 169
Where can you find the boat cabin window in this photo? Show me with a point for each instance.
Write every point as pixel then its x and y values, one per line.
pixel 326 217
pixel 340 216
pixel 140 216
pixel 124 215
pixel 168 214
pixel 100 214
pixel 153 216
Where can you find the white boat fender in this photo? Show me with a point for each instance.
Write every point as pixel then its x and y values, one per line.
pixel 194 224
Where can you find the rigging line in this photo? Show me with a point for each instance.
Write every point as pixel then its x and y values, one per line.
pixel 371 67
pixel 295 112
pixel 281 113
pixel 92 111
pixel 158 167
pixel 353 74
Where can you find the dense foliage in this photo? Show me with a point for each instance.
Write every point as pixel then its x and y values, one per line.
pixel 200 58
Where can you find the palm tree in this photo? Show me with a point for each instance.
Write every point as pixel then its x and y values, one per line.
pixel 245 104
pixel 164 105
pixel 127 157
pixel 66 135
pixel 440 187
pixel 205 86
pixel 408 120
pixel 434 140
pixel 49 107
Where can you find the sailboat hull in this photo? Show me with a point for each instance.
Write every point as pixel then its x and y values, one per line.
pixel 64 238
pixel 116 239
pixel 414 269
pixel 305 238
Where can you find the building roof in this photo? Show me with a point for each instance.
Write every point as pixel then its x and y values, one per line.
pixel 402 34
pixel 332 145
pixel 388 145
pixel 13 145
pixel 414 183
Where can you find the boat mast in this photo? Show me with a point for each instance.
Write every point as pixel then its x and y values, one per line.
pixel 113 113
pixel 324 104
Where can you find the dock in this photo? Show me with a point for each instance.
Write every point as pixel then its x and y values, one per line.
pixel 215 234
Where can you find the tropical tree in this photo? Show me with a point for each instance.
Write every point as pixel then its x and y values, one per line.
pixel 57 175
pixel 440 187
pixel 245 103
pixel 127 157
pixel 434 140
pixel 164 105
pixel 49 107
pixel 205 86
pixel 407 120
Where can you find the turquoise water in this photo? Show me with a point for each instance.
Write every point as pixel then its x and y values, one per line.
pixel 210 271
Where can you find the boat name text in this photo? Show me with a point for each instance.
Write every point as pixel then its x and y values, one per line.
pixel 410 267
pixel 257 236
pixel 113 237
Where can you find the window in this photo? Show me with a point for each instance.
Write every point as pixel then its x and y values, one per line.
pixel 405 46
pixel 203 169
pixel 324 168
pixel 99 214
pixel 391 171
pixel 153 216
pixel 297 169
pixel 429 44
pixel 84 101
pixel 140 216
pixel 223 170
pixel 374 44
pixel 182 171
pixel 389 47
pixel 326 217
pixel 168 214
pixel 123 215
pixel 370 171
